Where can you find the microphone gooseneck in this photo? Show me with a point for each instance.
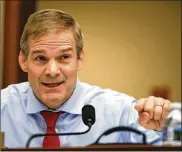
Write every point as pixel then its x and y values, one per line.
pixel 88 117
pixel 120 128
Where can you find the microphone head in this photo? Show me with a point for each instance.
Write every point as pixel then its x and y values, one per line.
pixel 88 115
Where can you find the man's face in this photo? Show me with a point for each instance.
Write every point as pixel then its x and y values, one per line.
pixel 52 66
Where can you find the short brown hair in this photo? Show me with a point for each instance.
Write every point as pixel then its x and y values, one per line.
pixel 47 21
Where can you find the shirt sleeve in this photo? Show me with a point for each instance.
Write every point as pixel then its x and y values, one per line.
pixel 152 137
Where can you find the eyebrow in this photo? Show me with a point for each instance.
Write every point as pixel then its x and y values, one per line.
pixel 38 51
pixel 61 50
pixel 66 49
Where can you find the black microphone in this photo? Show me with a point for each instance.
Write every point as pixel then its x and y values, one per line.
pixel 88 117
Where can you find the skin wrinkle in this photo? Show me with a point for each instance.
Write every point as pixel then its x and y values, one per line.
pixel 45 43
pixel 65 40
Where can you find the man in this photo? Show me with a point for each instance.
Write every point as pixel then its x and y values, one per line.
pixel 52 54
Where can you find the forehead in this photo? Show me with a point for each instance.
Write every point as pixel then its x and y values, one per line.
pixel 53 39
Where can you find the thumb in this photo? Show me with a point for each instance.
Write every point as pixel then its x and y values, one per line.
pixel 144 118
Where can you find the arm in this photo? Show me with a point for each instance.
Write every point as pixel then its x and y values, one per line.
pixel 144 116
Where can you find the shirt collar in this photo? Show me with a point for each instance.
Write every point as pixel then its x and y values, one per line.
pixel 73 105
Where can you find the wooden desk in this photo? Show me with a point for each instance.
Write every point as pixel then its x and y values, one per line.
pixel 104 148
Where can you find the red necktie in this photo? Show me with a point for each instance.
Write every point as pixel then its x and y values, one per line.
pixel 50 119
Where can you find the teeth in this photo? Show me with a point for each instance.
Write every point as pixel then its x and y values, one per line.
pixel 52 85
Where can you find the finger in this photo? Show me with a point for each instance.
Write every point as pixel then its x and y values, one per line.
pixel 144 118
pixel 158 110
pixel 159 101
pixel 149 106
pixel 166 108
pixel 140 104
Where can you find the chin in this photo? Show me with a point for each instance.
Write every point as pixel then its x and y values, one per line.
pixel 53 106
pixel 53 103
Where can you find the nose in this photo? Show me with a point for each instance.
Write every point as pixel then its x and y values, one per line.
pixel 52 69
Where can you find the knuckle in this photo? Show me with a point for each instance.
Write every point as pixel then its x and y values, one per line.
pixel 142 100
pixel 151 97
pixel 166 109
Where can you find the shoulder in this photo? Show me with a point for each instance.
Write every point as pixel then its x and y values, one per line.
pixel 14 93
pixel 107 97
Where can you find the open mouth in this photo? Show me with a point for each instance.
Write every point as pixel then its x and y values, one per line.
pixel 52 85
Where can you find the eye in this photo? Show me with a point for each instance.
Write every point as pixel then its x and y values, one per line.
pixel 64 57
pixel 40 58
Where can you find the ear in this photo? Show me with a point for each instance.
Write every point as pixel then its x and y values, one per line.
pixel 81 60
pixel 22 61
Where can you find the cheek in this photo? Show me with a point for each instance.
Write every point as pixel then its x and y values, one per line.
pixel 34 73
pixel 70 71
